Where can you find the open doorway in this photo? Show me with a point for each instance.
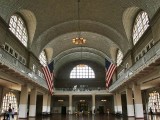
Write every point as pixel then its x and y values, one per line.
pixel 83 106
pixel 101 109
pixel 63 110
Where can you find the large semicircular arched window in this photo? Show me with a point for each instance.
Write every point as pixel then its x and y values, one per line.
pixel 82 71
pixel 18 28
pixel 140 25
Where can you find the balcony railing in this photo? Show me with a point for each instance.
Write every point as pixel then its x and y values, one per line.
pixel 76 91
pixel 80 89
pixel 8 60
pixel 152 55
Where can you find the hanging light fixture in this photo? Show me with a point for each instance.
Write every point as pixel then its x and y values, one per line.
pixel 78 40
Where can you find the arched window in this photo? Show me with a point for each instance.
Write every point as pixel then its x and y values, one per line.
pixel 82 71
pixel 18 28
pixel 43 58
pixel 119 57
pixel 140 25
pixel 9 100
pixel 154 101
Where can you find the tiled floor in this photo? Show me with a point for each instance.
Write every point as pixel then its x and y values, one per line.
pixel 86 117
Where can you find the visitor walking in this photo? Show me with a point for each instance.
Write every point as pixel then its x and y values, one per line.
pixel 13 113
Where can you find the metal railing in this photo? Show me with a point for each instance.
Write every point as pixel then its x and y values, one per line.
pixel 13 63
pixel 148 58
pixel 80 89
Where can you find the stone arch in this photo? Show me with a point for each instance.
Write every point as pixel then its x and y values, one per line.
pixel 128 20
pixel 30 23
pixel 68 27
pixel 49 54
pixel 73 57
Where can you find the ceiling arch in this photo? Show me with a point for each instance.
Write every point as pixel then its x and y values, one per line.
pixel 82 50
pixel 106 25
pixel 63 45
pixel 128 20
pixel 31 24
pixel 86 25
pixel 76 56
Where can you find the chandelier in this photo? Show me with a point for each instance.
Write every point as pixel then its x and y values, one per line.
pixel 78 40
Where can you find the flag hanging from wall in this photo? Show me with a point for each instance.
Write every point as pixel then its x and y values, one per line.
pixel 109 68
pixel 49 75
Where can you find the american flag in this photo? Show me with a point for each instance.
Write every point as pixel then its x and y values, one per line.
pixel 109 68
pixel 49 75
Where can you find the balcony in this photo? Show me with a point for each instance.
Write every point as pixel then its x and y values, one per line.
pixel 144 65
pixel 80 91
pixel 11 65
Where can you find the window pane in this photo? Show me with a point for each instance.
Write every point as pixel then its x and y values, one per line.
pixel 82 71
pixel 43 59
pixel 18 27
pixel 119 57
pixel 140 25
pixel 9 100
pixel 154 101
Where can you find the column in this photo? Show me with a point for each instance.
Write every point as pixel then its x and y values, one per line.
pixel 130 107
pixel 118 102
pixel 138 101
pixel 115 104
pixel 93 103
pixel 70 104
pixel 32 107
pixel 45 103
pixel 49 104
pixel 23 102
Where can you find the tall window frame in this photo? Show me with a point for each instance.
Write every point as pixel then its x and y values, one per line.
pixel 43 58
pixel 18 28
pixel 119 57
pixel 141 24
pixel 82 71
pixel 154 101
pixel 9 100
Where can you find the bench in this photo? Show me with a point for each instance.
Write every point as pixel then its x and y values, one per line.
pixel 46 114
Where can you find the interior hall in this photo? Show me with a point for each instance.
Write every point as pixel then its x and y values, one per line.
pixel 80 59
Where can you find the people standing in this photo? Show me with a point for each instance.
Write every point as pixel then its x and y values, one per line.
pixel 5 115
pixel 94 111
pixel 150 109
pixel 151 113
pixel 13 112
pixel 9 112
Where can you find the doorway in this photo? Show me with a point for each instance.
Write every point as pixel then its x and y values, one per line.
pixel 101 109
pixel 63 110
pixel 82 106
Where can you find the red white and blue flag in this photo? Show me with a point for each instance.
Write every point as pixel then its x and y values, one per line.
pixel 49 75
pixel 109 68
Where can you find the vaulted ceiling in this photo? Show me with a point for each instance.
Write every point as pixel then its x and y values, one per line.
pixel 52 24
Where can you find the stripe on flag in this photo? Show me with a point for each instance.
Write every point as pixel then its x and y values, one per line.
pixel 48 74
pixel 109 68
